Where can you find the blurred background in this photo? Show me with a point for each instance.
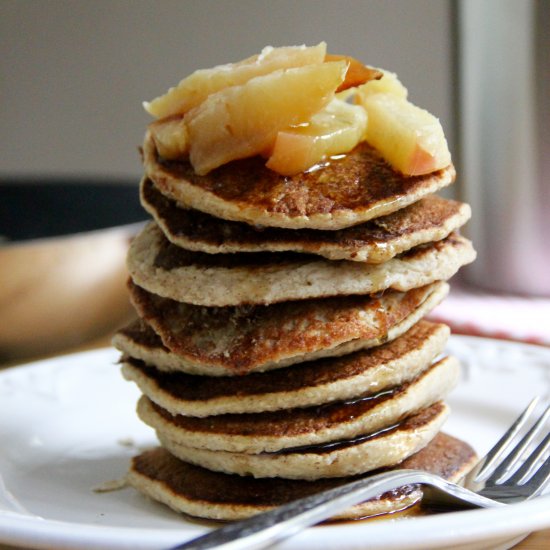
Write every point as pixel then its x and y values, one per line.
pixel 74 73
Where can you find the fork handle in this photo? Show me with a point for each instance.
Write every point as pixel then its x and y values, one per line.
pixel 265 529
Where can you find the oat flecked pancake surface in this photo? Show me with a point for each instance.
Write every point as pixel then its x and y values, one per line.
pixel 429 219
pixel 202 493
pixel 333 459
pixel 273 431
pixel 303 385
pixel 354 189
pixel 138 340
pixel 240 340
pixel 203 279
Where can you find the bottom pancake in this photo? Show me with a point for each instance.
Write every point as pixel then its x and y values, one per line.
pixel 202 493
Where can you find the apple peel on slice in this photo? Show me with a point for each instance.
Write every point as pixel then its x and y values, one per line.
pixel 408 137
pixel 357 74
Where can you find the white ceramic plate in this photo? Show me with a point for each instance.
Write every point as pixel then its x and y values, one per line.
pixel 67 425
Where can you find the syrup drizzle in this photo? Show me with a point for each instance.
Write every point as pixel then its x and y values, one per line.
pixel 331 446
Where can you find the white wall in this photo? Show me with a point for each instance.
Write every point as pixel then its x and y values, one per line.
pixel 73 74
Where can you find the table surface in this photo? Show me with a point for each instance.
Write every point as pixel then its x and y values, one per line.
pixel 536 541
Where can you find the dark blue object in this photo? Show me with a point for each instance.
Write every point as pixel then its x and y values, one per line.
pixel 31 209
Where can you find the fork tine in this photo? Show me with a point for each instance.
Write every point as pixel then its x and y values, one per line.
pixel 503 443
pixel 539 481
pixel 507 465
pixel 526 470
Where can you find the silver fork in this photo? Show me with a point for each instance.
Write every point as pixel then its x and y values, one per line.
pixel 498 479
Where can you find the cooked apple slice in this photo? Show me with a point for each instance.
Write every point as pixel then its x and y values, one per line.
pixel 336 129
pixel 243 121
pixel 408 137
pixel 194 89
pixel 388 83
pixel 170 136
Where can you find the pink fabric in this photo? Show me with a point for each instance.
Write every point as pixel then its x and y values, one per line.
pixel 469 311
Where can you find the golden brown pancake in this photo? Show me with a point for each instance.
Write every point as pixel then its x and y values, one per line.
pixel 255 433
pixel 339 458
pixel 199 492
pixel 240 340
pixel 303 385
pixel 430 219
pixel 202 279
pixel 352 190
pixel 139 341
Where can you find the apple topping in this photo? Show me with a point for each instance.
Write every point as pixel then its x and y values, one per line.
pixel 242 121
pixel 388 83
pixel 357 72
pixel 194 89
pixel 408 137
pixel 170 136
pixel 296 106
pixel 334 130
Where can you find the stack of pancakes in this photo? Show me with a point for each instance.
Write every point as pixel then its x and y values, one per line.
pixel 281 347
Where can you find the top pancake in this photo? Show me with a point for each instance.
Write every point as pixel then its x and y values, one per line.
pixel 430 219
pixel 353 189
